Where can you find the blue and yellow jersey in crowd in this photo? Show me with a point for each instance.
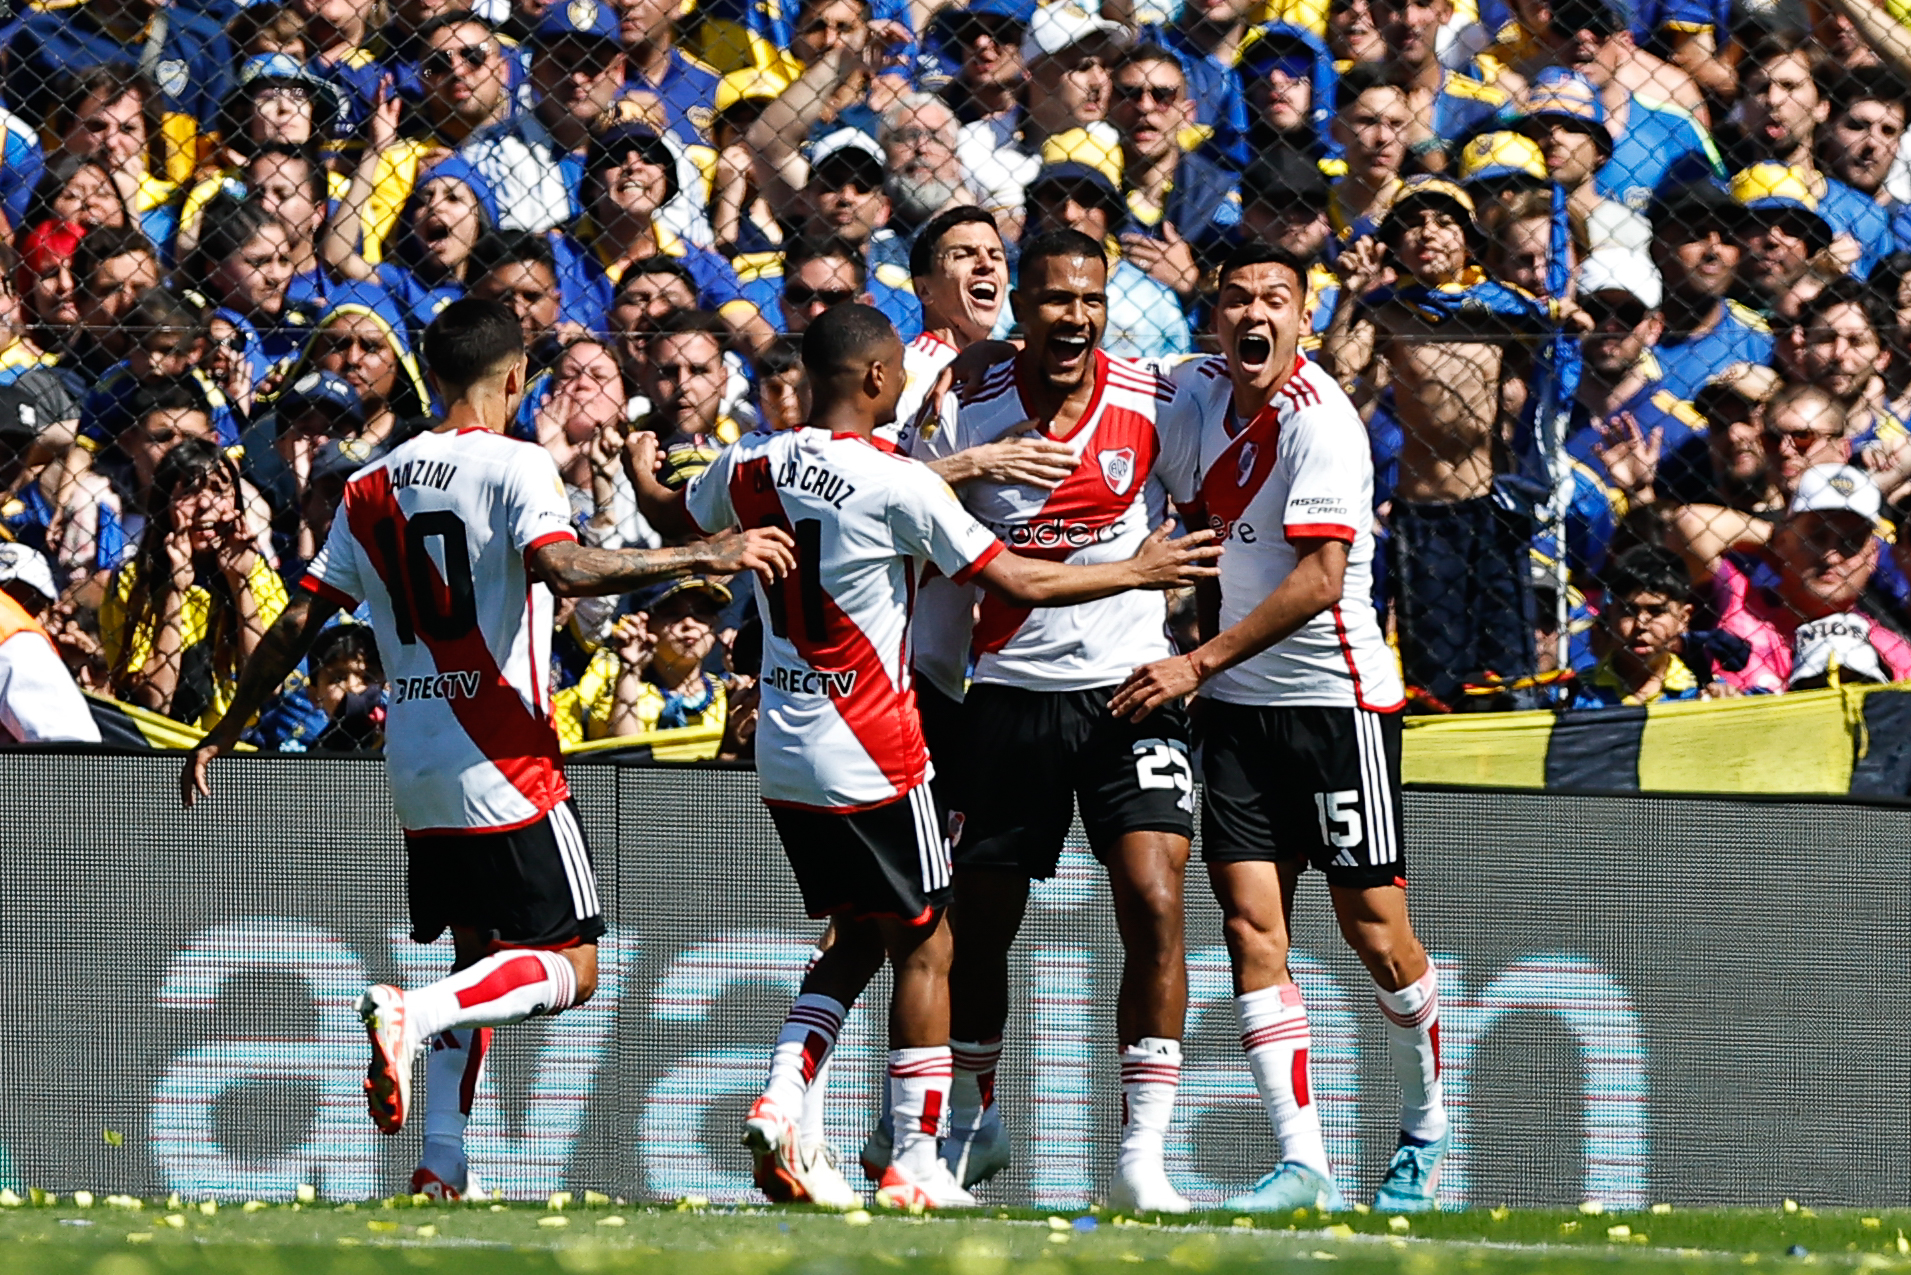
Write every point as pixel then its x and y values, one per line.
pixel 1688 362
pixel 1475 297
pixel 193 69
pixel 26 516
pixel 107 410
pixel 688 93
pixel 598 272
pixel 1662 146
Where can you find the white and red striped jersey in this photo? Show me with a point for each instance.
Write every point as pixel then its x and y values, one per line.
pixel 1300 469
pixel 435 536
pixel 1100 513
pixel 924 359
pixel 837 727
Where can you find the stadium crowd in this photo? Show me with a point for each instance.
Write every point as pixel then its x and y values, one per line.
pixel 225 229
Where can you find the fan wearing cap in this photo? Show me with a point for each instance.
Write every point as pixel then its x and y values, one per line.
pixel 1287 78
pixel 1785 240
pixel 1696 245
pixel 1803 598
pixel 1565 118
pixel 1442 105
pixel 649 675
pixel 1782 111
pixel 426 263
pixel 281 453
pixel 1621 396
pixel 630 174
pixel 1444 337
pixel 1285 202
pixel 277 103
pixel 743 224
pixel 39 704
pixel 346 45
pixel 1144 317
pixel 1726 466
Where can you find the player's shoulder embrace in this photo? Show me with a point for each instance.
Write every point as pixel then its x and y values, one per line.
pixel 996 380
pixel 1135 376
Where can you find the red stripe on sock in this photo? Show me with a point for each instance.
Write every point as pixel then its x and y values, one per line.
pixel 519 971
pixel 1433 1034
pixel 932 1112
pixel 473 1066
pixel 815 1050
pixel 1298 1079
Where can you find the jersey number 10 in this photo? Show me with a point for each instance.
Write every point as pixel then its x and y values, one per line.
pixel 411 577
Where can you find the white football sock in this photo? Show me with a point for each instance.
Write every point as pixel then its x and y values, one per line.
pixel 972 1091
pixel 1276 1038
pixel 1413 1037
pixel 812 1125
pixel 918 1101
pixel 507 987
pixel 1150 1073
pixel 453 1064
pixel 802 1047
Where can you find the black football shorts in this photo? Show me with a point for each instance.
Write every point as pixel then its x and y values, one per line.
pixel 1033 755
pixel 1303 785
pixel 890 860
pixel 944 730
pixel 529 887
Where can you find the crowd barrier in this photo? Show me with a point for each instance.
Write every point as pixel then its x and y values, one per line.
pixel 1644 998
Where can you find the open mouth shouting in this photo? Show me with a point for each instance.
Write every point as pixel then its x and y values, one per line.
pixel 985 295
pixel 1252 350
pixel 1068 351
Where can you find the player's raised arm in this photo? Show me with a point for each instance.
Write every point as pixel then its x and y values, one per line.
pixel 278 653
pixel 1160 563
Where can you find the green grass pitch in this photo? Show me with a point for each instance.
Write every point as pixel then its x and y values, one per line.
pixel 583 1238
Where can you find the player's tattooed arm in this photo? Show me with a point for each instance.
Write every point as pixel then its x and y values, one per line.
pixel 573 570
pixel 1160 563
pixel 1314 585
pixel 277 654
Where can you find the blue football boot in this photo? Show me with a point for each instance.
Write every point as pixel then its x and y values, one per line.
pixel 1291 1186
pixel 1413 1175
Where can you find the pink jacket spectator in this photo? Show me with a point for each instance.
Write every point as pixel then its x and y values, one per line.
pixel 1752 613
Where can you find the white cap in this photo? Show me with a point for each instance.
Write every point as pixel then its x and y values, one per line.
pixel 1055 27
pixel 1617 270
pixel 843 139
pixel 28 565
pixel 1832 489
pixel 1842 640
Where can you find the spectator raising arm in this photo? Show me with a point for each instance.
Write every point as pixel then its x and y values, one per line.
pixel 1704 534
pixel 340 246
pixel 1881 31
pixel 781 170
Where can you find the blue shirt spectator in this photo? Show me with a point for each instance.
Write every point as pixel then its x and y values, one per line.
pixel 193 70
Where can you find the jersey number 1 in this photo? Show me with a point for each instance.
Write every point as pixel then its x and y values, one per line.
pixel 809 584
pixel 409 577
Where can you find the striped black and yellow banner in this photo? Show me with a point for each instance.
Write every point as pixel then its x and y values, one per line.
pixel 1855 740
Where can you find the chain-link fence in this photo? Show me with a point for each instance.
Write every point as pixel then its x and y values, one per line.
pixel 1615 287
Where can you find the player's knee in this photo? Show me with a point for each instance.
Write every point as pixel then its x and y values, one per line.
pixel 586 986
pixel 1389 955
pixel 1158 905
pixel 1249 939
